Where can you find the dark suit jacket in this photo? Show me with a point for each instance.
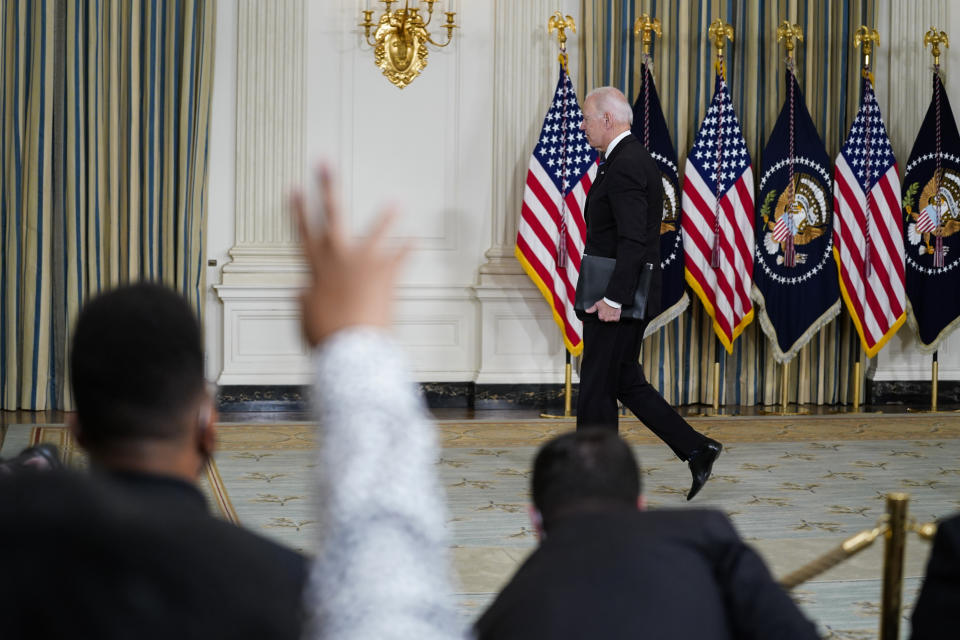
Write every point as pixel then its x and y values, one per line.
pixel 89 557
pixel 623 213
pixel 937 611
pixel 643 574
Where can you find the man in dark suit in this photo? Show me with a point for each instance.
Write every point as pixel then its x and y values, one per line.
pixel 147 422
pixel 607 569
pixel 937 611
pixel 623 212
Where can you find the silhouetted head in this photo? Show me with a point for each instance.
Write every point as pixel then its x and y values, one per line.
pixel 136 368
pixel 584 470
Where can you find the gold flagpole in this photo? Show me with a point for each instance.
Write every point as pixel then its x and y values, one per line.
pixel 864 38
pixel 935 39
pixel 719 32
pixel 790 34
pixel 560 23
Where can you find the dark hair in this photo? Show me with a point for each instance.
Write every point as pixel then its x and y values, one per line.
pixel 585 469
pixel 136 365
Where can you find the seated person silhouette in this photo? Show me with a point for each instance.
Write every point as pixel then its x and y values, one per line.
pixel 607 568
pixel 131 550
pixel 936 613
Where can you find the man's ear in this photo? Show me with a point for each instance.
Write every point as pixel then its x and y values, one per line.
pixel 536 519
pixel 641 503
pixel 206 428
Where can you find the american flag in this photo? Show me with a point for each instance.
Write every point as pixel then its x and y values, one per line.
pixel 552 229
pixel 929 218
pixel 867 235
pixel 718 236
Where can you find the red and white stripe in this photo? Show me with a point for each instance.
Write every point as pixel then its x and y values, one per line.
pixel 781 230
pixel 925 221
pixel 877 302
pixel 537 239
pixel 724 291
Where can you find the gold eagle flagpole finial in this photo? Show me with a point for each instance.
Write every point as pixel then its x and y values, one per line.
pixel 720 32
pixel 560 23
pixel 648 28
pixel 935 38
pixel 789 32
pixel 867 37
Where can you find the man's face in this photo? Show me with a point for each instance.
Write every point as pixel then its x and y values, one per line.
pixel 594 125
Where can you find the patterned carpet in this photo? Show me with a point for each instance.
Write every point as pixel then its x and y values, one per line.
pixel 794 487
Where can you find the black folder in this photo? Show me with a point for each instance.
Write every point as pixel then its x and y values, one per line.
pixel 595 273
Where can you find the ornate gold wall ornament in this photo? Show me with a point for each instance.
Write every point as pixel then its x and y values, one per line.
pixel 400 39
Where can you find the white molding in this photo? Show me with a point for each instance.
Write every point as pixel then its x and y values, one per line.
pixel 436 325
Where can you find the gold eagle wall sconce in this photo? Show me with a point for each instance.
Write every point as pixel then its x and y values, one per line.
pixel 400 37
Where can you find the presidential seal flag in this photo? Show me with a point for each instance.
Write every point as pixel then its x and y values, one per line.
pixel 552 230
pixel 931 210
pixel 717 220
pixel 794 275
pixel 650 127
pixel 867 234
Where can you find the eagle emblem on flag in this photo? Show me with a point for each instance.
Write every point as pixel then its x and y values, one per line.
pixel 931 220
pixel 794 277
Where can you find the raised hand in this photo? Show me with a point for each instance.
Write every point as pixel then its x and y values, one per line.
pixel 351 281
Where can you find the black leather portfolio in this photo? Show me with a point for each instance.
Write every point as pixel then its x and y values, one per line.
pixel 595 273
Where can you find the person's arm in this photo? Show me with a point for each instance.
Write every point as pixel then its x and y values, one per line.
pixel 628 195
pixel 381 569
pixel 382 566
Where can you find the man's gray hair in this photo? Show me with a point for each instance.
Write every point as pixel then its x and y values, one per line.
pixel 611 100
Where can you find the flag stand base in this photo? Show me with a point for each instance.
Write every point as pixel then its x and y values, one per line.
pixel 715 409
pixel 935 375
pixel 567 396
pixel 784 409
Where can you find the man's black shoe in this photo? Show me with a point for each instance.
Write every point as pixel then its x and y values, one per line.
pixel 701 464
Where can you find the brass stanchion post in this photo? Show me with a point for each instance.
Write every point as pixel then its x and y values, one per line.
pixel 893 566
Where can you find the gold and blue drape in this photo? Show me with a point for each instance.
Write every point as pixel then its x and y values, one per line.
pixel 679 358
pixel 103 169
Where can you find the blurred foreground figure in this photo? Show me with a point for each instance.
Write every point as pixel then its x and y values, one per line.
pixel 382 570
pixel 130 550
pixel 605 568
pixel 936 613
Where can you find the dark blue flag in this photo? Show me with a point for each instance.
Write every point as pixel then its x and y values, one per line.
pixel 794 276
pixel 931 209
pixel 650 127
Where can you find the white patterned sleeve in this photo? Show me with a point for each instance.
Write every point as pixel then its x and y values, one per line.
pixel 382 569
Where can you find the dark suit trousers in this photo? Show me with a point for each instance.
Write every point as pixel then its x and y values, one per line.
pixel 610 371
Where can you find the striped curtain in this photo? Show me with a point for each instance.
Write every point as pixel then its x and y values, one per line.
pixel 679 359
pixel 106 109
